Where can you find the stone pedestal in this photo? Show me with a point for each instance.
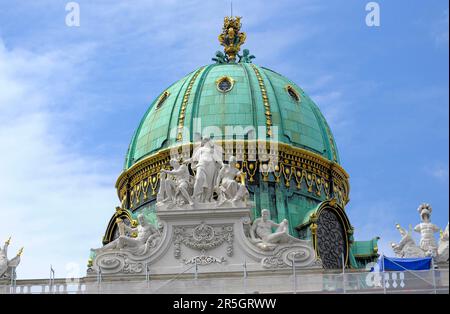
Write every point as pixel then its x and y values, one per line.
pixel 211 240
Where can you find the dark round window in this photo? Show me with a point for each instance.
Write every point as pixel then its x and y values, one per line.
pixel 224 85
pixel 291 91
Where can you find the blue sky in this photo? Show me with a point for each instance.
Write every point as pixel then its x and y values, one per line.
pixel 71 97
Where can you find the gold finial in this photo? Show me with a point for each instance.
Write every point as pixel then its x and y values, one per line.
pixel 232 38
pixel 8 241
pixel 20 251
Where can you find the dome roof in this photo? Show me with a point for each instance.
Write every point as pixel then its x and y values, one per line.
pixel 233 94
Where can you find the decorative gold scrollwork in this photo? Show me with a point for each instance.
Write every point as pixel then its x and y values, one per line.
pixel 145 188
pixel 298 178
pixel 154 183
pixel 251 169
pixel 264 171
pixel 184 104
pixel 277 173
pixel 231 37
pixel 287 173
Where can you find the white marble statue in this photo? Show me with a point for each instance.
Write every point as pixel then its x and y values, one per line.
pixel 162 195
pixel 146 236
pixel 176 190
pixel 206 161
pixel 407 247
pixel 5 264
pixel 443 246
pixel 262 236
pixel 427 230
pixel 427 246
pixel 228 189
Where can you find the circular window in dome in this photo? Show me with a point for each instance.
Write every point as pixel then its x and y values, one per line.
pixel 225 84
pixel 162 99
pixel 293 93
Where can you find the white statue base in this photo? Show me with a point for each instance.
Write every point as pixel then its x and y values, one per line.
pixel 215 240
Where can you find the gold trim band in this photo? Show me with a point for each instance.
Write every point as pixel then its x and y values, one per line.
pixel 184 104
pixel 265 98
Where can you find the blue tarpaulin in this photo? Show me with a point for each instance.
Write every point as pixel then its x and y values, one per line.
pixel 401 264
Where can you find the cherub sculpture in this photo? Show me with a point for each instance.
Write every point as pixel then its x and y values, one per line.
pixel 220 58
pixel 246 57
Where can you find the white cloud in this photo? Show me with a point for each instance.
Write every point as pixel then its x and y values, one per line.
pixel 54 201
pixel 439 30
pixel 438 171
pixel 375 218
pixel 57 200
pixel 332 103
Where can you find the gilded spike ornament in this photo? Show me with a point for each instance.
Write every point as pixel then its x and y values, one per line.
pixel 232 38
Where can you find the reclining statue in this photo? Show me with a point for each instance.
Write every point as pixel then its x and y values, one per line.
pixel 146 237
pixel 6 265
pixel 262 236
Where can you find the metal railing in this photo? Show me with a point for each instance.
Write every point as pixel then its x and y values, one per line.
pixel 295 280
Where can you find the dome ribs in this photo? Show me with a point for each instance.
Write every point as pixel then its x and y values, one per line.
pixel 265 98
pixel 184 104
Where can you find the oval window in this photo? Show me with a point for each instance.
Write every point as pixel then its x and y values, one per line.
pixel 292 93
pixel 225 84
pixel 162 99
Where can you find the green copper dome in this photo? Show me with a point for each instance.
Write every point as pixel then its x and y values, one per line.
pixel 233 94
pixel 302 180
